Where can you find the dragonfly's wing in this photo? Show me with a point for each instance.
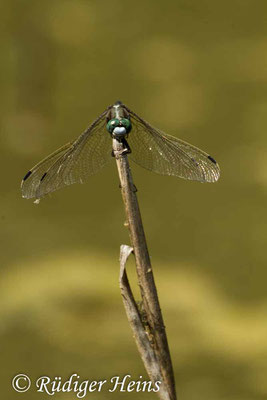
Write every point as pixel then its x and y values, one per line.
pixel 71 163
pixel 32 179
pixel 167 155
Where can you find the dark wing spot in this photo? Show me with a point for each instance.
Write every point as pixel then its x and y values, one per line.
pixel 212 159
pixel 44 175
pixel 27 175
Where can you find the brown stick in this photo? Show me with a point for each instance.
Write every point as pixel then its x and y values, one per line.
pixel 158 340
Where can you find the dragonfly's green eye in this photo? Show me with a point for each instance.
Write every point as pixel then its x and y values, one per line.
pixel 112 124
pixel 127 124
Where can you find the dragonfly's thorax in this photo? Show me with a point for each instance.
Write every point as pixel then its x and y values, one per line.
pixel 118 111
pixel 118 121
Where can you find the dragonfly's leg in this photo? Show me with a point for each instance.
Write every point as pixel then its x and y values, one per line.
pixel 127 149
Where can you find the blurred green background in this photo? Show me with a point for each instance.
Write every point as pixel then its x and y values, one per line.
pixel 196 70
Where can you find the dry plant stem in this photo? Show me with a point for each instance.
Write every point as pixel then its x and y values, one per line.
pixel 141 336
pixel 144 270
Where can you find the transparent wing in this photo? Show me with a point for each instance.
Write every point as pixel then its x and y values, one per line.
pixel 72 163
pixel 32 179
pixel 167 155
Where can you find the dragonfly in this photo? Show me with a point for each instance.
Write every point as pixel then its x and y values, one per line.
pixel 92 150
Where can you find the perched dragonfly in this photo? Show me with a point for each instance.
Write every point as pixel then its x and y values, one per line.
pixel 91 151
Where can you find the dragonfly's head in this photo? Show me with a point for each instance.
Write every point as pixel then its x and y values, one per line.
pixel 119 127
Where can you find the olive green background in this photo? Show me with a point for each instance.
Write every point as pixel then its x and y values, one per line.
pixel 197 70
